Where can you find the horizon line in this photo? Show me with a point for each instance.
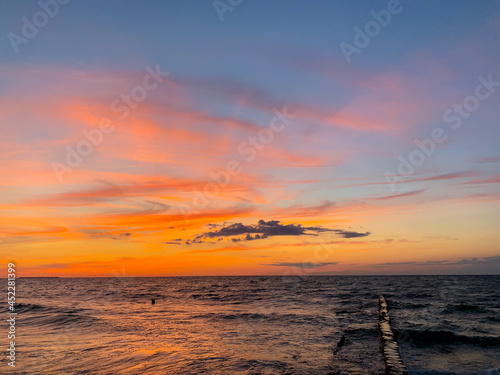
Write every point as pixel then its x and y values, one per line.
pixel 308 275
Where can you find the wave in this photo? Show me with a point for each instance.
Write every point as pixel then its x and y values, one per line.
pixel 401 305
pixel 40 315
pixel 27 307
pixel 441 337
pixel 259 317
pixel 60 320
pixel 24 308
pixel 423 295
pixel 262 365
pixel 463 308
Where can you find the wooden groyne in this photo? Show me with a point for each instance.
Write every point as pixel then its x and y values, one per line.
pixel 388 345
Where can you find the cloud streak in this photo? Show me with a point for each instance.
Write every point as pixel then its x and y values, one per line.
pixel 303 265
pixel 264 229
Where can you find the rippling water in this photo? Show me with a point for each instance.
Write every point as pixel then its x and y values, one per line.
pixel 254 325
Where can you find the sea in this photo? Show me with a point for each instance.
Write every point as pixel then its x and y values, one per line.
pixel 252 325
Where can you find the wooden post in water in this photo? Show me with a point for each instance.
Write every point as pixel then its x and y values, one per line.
pixel 388 345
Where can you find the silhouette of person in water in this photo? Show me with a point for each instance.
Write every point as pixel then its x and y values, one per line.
pixel 153 301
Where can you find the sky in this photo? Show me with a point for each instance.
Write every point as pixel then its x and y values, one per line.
pixel 228 137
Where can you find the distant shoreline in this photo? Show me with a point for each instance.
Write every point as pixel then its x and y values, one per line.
pixel 239 276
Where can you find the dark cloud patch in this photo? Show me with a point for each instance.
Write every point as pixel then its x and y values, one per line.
pixel 215 226
pixel 248 237
pixel 303 265
pixel 172 243
pixel 107 234
pixel 196 240
pixel 434 262
pixel 467 261
pixel 474 266
pixel 466 266
pixel 120 236
pixel 350 234
pixel 393 264
pixel 264 229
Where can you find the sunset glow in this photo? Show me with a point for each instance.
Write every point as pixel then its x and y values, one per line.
pixel 243 149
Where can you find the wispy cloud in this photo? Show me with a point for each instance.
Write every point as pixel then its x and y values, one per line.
pixel 484 181
pixel 465 261
pixel 303 265
pixel 487 160
pixel 396 196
